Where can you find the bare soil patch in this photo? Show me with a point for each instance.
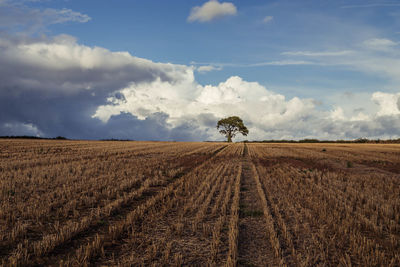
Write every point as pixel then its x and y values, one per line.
pixel 254 248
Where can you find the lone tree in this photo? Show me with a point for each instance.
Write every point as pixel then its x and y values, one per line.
pixel 231 126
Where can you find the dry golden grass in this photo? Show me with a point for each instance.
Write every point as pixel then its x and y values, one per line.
pixel 158 203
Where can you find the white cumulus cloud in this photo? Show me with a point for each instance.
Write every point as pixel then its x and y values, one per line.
pixel 388 103
pixel 211 10
pixel 259 107
pixel 269 115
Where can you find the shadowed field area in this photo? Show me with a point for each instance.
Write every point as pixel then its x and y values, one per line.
pixel 173 204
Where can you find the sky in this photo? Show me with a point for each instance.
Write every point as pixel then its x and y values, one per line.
pixel 169 70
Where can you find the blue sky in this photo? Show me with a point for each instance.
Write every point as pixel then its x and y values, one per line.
pixel 335 63
pixel 159 31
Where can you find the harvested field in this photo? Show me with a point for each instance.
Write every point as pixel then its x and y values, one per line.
pixel 177 204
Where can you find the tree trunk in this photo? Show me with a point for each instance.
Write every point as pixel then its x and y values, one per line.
pixel 229 138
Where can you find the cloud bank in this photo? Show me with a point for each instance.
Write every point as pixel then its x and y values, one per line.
pixel 57 86
pixel 211 10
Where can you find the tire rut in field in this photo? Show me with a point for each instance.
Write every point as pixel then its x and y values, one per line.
pixel 254 247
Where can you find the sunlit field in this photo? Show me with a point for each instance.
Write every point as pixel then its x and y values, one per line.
pixel 174 203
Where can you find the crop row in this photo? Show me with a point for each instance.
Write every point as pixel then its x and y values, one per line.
pixel 73 202
pixel 317 217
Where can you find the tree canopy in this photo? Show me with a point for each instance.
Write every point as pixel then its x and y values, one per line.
pixel 231 126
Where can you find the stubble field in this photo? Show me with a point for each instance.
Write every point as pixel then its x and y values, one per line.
pixel 70 203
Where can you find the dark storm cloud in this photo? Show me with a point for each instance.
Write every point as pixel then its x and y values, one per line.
pixel 61 65
pixel 53 87
pixel 207 119
pixel 54 115
pixel 32 114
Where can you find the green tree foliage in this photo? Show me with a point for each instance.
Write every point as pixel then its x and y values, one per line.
pixel 231 126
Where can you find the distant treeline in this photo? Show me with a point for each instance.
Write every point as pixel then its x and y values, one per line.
pixel 55 138
pixel 358 141
pixel 114 139
pixel 33 137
